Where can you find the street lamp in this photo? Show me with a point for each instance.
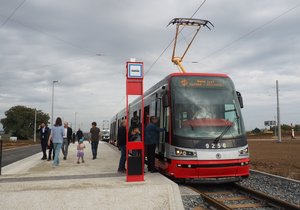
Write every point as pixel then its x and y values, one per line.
pixel 34 129
pixel 53 82
pixel 75 121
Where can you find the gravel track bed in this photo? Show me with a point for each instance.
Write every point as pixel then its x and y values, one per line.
pixel 191 201
pixel 281 188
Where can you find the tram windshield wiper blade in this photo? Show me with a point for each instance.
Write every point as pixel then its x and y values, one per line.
pixel 216 141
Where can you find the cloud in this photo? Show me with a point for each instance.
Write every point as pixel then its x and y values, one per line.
pixel 59 40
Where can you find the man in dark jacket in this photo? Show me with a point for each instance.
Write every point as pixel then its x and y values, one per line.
pixel 151 139
pixel 67 138
pixel 94 139
pixel 122 145
pixel 79 134
pixel 44 134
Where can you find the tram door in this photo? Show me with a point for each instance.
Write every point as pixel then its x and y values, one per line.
pixel 164 136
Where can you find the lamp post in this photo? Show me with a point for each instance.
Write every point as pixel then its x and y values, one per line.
pixel 53 82
pixel 75 121
pixel 34 130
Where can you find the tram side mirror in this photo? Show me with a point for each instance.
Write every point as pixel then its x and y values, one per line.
pixel 165 100
pixel 240 98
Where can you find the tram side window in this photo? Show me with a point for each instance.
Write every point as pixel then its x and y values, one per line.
pixel 152 108
pixel 140 114
pixel 158 108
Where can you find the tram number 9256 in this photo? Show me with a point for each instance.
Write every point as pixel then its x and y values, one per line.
pixel 215 146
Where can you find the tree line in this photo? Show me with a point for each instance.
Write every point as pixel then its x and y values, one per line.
pixel 19 121
pixel 286 129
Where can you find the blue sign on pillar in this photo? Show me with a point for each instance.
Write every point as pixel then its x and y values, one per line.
pixel 135 70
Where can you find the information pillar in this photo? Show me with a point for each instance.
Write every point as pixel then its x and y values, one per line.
pixel 134 149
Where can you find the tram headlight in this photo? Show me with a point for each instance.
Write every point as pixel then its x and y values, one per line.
pixel 244 151
pixel 184 153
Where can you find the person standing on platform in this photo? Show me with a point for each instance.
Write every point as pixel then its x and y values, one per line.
pixel 95 136
pixel 73 138
pixel 79 134
pixel 66 139
pixel 122 146
pixel 151 139
pixel 44 134
pixel 57 133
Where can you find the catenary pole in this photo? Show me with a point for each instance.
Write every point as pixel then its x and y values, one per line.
pixel 278 114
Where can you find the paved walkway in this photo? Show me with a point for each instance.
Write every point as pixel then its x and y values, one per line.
pixel 34 184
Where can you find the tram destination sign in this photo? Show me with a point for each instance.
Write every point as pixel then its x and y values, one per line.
pixel 202 82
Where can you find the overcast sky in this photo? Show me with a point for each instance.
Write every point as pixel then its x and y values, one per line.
pixel 254 42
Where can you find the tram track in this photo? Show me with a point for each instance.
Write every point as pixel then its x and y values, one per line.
pixel 235 196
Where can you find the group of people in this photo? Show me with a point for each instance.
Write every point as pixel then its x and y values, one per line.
pixel 134 134
pixel 59 137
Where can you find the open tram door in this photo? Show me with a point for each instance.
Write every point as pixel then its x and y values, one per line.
pixel 181 23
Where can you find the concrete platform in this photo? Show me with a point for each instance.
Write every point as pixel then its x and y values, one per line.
pixel 34 184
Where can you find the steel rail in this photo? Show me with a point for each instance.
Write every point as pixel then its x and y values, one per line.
pixel 215 203
pixel 211 201
pixel 269 199
pixel 264 199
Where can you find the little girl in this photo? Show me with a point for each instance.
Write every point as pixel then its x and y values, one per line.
pixel 80 152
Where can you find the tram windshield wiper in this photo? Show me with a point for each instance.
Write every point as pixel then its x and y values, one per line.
pixel 216 141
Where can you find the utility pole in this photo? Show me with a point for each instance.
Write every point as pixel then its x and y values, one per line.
pixel 278 114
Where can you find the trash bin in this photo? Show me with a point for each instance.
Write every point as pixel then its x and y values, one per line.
pixel 134 166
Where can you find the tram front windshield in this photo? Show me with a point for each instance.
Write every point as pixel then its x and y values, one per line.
pixel 205 108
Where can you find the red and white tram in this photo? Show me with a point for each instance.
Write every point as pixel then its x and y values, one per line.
pixel 205 138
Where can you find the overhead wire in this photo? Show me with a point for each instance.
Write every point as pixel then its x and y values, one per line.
pixel 250 32
pixel 231 43
pixel 12 14
pixel 155 61
pixel 57 64
pixel 54 37
pixel 86 50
